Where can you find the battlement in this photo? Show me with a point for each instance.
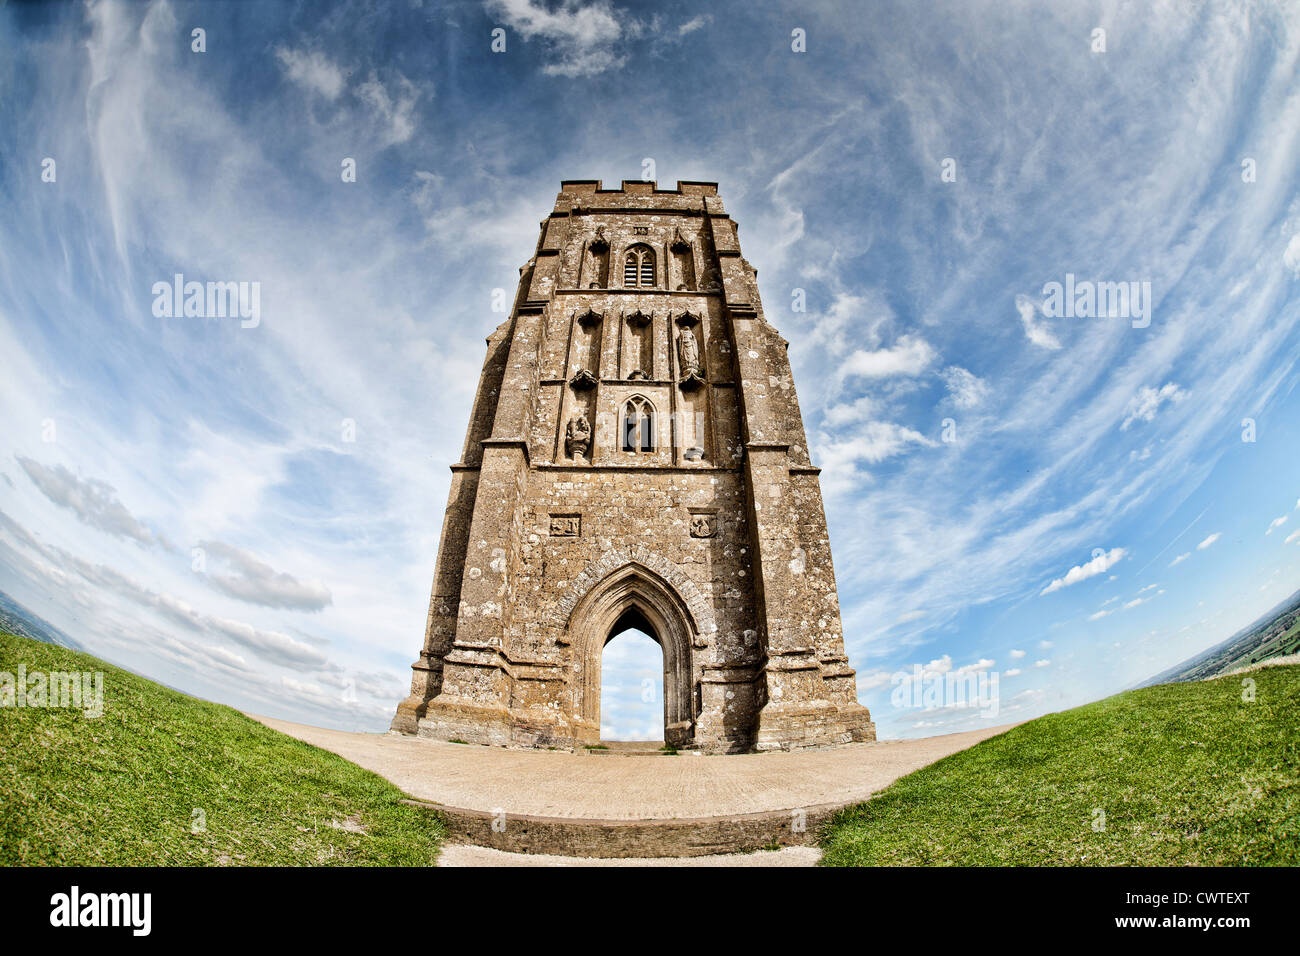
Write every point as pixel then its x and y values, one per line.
pixel 636 187
pixel 590 195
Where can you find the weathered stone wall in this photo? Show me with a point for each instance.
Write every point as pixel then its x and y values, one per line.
pixel 636 448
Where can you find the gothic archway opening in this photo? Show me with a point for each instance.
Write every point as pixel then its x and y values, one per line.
pixel 638 598
pixel 632 682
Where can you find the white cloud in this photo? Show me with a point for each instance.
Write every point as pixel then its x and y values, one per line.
pixel 1181 558
pixel 1037 332
pixel 256 582
pixel 1042 663
pixel 1275 524
pixel 871 680
pixel 693 24
pixel 271 645
pixel 861 410
pixel 1013 672
pixel 311 70
pixel 872 443
pixel 580 37
pixel 911 356
pixel 1146 403
pixel 395 112
pixel 1209 541
pixel 967 389
pixel 1098 565
pixel 1017 655
pixel 1291 257
pixel 94 502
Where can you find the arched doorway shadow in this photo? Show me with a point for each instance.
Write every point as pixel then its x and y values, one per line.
pixel 634 596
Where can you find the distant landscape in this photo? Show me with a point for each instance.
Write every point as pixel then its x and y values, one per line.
pixel 16 619
pixel 1276 634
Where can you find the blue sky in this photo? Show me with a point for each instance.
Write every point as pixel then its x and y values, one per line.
pixel 180 493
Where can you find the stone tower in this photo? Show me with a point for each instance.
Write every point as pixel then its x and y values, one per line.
pixel 636 458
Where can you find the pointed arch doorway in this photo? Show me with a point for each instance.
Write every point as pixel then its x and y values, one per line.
pixel 631 682
pixel 637 598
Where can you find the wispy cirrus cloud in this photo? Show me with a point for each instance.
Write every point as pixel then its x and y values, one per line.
pixel 580 37
pixel 1146 403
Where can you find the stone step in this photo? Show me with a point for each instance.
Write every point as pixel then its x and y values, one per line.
pixel 629 748
pixel 611 839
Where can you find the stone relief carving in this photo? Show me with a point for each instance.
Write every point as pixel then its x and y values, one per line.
pixel 577 438
pixel 704 525
pixel 566 526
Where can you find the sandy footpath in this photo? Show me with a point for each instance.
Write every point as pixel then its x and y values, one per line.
pixel 613 787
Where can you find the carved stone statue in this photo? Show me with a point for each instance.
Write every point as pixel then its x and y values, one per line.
pixel 577 437
pixel 688 350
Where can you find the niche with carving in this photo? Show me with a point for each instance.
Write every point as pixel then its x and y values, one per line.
pixel 683 263
pixel 586 349
pixel 690 360
pixel 693 424
pixel 595 262
pixel 577 437
pixel 639 346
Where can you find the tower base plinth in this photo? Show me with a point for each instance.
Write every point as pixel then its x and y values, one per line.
pixel 810 726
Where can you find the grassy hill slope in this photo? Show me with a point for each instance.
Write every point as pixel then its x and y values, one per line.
pixel 124 788
pixel 1185 774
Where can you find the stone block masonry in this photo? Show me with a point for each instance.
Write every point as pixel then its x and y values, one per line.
pixel 636 458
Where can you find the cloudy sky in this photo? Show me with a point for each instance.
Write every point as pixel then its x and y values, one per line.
pixel 250 511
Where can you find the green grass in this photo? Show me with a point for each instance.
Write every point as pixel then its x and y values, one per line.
pixel 1186 774
pixel 122 789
